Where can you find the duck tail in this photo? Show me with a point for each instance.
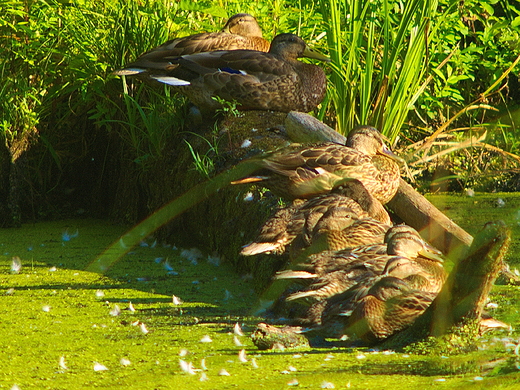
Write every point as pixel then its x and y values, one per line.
pixel 128 71
pixel 250 179
pixel 256 248
pixel 170 80
pixel 290 274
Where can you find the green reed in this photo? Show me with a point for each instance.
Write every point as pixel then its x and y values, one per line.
pixel 379 57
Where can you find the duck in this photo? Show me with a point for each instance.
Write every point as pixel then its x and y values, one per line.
pixel 354 189
pixel 330 261
pixel 389 306
pixel 349 274
pixel 424 278
pixel 294 227
pixel 420 263
pixel 251 79
pixel 305 171
pixel 275 235
pixel 305 288
pixel 352 275
pixel 404 240
pixel 240 32
pixel 302 222
pixel 363 231
pixel 392 304
pixel 400 241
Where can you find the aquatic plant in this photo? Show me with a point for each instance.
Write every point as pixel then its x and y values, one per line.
pixel 379 59
pixel 205 163
pixel 394 63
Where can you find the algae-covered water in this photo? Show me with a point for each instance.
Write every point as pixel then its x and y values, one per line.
pixel 61 328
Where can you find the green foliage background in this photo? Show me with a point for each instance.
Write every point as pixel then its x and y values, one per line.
pixel 410 68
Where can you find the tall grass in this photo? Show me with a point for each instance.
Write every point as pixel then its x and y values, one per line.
pixel 379 58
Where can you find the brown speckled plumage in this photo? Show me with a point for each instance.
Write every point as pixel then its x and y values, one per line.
pixel 252 79
pixel 389 307
pixel 361 280
pixel 354 189
pixel 424 263
pixel 274 235
pixel 305 171
pixel 398 312
pixel 299 223
pixel 302 222
pixel 365 231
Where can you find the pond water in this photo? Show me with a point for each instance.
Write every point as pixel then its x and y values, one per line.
pixel 63 327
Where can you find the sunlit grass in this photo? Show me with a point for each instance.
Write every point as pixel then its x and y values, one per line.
pixel 379 59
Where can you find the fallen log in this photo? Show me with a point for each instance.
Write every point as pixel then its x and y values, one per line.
pixel 434 226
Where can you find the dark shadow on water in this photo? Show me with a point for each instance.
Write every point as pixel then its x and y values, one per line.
pixel 139 301
pixel 434 366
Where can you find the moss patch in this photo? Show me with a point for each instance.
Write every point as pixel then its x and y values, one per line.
pixel 54 310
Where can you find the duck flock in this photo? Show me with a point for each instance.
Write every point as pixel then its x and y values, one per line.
pixel 352 274
pixel 355 275
pixel 236 65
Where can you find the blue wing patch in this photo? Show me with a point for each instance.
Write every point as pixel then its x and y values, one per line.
pixel 232 71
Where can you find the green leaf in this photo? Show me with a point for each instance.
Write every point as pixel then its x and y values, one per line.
pixel 488 8
pixel 213 10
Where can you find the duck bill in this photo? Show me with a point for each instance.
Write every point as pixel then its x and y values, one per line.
pixel 431 256
pixel 387 152
pixel 309 53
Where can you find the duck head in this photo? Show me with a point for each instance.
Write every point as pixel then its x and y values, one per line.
pixel 243 24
